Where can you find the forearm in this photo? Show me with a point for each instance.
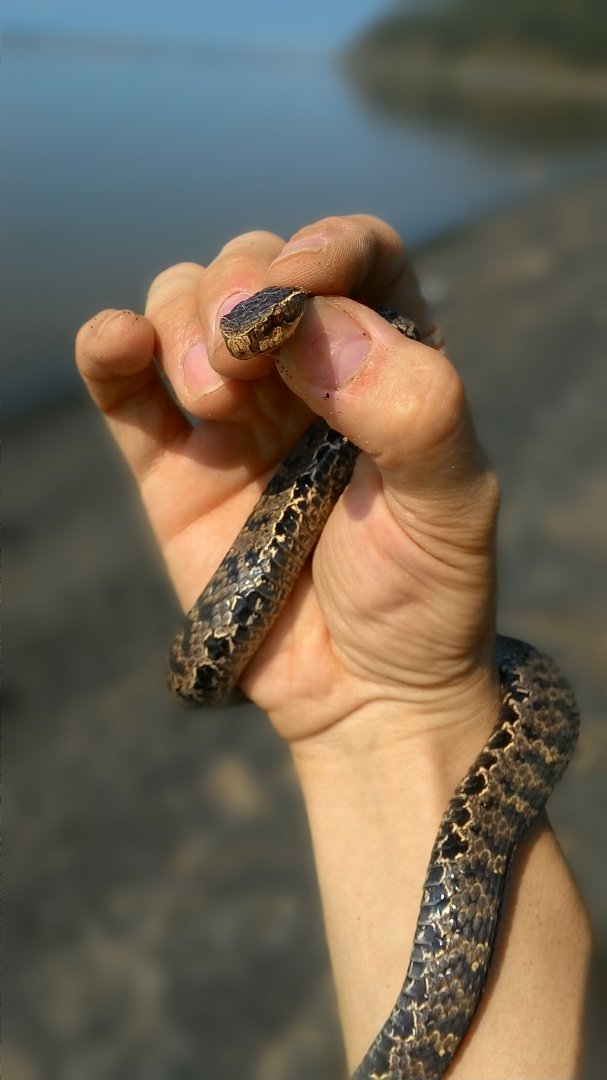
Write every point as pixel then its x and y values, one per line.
pixel 374 813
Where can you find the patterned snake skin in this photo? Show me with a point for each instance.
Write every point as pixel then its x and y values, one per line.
pixel 507 785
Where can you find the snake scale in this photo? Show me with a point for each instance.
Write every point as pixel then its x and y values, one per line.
pixel 500 795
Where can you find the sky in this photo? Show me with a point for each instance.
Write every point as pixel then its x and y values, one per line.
pixel 271 22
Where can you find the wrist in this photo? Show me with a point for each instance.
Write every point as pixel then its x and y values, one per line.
pixel 375 787
pixel 425 743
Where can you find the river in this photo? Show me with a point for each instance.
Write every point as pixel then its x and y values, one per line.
pixel 122 156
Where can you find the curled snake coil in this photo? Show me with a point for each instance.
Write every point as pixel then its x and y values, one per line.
pixel 500 795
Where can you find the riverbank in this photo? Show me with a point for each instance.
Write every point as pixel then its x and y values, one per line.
pixel 541 51
pixel 159 885
pixel 503 99
pixel 507 79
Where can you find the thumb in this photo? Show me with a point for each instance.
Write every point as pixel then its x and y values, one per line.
pixel 403 404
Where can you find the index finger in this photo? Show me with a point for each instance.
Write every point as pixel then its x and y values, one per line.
pixel 358 256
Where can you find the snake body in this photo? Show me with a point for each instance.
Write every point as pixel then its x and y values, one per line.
pixel 500 795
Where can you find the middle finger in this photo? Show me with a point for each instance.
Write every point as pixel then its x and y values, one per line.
pixel 239 270
pixel 183 305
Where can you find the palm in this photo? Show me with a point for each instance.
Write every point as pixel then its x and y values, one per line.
pixel 327 651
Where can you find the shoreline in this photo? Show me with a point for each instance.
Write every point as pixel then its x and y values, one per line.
pixel 507 78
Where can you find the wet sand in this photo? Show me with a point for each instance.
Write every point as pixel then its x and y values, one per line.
pixel 160 897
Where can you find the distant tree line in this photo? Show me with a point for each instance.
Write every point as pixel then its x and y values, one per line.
pixel 571 30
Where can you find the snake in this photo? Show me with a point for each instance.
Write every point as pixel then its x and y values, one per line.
pixel 503 790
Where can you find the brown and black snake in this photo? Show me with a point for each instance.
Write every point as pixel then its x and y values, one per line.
pixel 500 795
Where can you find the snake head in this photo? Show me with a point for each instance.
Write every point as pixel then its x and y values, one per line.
pixel 264 321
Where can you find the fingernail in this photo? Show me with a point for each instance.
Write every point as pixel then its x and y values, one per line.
pixel 199 377
pixel 313 242
pixel 227 305
pixel 329 348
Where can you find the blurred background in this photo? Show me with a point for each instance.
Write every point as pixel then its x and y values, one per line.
pixel 160 896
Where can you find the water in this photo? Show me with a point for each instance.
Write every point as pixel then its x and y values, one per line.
pixel 123 157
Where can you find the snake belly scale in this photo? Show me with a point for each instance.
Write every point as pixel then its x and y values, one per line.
pixel 500 795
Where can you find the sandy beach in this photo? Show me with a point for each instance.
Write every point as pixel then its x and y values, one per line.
pixel 162 913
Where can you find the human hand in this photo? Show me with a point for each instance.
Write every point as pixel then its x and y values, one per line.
pixel 393 616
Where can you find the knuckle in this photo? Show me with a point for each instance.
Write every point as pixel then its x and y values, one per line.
pixel 172 280
pixel 359 230
pixel 378 232
pixel 447 400
pixel 245 242
pixel 379 252
pixel 363 230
